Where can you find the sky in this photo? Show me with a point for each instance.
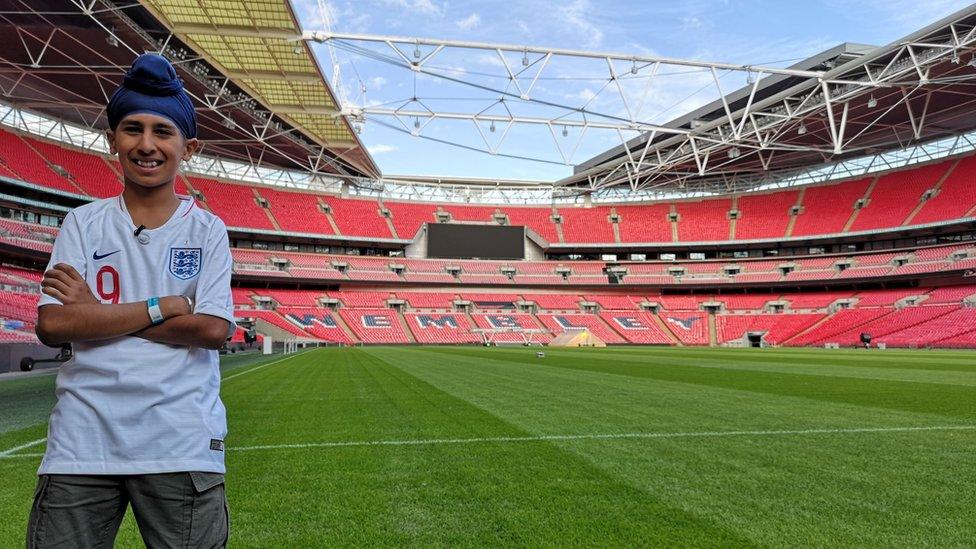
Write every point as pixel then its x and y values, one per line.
pixel 770 33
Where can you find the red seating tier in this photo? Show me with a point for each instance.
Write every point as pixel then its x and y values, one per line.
pixel 706 220
pixel 836 328
pixel 537 219
pixel 777 327
pixel 764 215
pixel 297 212
pixel 87 170
pixel 408 217
pixel 235 204
pixel 827 208
pixel 29 166
pixel 956 197
pixel 896 194
pixel 356 217
pixel 586 224
pixel 361 299
pixel 428 300
pixel 612 302
pixel 645 223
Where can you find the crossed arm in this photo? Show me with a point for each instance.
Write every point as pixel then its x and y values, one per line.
pixel 81 317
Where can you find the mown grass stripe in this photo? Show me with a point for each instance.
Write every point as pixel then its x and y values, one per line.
pixel 932 398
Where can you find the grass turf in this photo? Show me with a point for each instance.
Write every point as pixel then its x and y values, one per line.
pixel 715 447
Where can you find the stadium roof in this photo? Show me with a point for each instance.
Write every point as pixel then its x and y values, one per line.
pixel 849 101
pixel 261 96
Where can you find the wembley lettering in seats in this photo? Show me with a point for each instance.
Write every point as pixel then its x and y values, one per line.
pixel 377 321
pixel 503 321
pixel 683 323
pixel 566 323
pixel 630 323
pixel 307 320
pixel 437 321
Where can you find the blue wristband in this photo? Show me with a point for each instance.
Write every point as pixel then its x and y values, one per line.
pixel 155 313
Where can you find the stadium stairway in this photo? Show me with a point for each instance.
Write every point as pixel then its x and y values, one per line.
pixel 267 211
pixel 341 323
pixel 470 317
pixel 712 331
pixel 793 218
pixel 667 330
pixel 855 212
pixel 405 327
pixel 328 215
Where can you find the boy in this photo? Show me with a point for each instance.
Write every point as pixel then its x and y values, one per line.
pixel 139 284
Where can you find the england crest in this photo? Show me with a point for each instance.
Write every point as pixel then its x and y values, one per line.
pixel 184 263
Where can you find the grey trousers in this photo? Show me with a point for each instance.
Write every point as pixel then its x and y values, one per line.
pixel 173 510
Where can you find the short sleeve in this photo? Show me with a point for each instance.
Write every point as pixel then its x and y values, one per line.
pixel 68 249
pixel 213 295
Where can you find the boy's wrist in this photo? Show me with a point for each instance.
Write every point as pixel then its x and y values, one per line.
pixel 174 305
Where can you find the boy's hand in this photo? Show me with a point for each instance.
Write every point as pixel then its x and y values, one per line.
pixel 67 286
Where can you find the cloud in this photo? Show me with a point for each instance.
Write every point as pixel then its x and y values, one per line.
pixel 376 82
pixel 382 149
pixel 469 22
pixel 577 15
pixel 428 7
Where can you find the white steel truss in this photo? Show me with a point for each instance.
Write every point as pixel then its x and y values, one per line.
pixel 824 115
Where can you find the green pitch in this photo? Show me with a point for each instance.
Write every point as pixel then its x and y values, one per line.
pixel 619 446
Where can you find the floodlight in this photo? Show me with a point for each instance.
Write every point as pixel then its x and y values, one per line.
pixel 491 127
pixel 525 59
pixel 872 102
pixel 802 129
pixel 416 123
pixel 565 131
pixel 734 152
pixel 111 39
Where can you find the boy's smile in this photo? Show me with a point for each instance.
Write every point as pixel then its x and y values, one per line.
pixel 150 148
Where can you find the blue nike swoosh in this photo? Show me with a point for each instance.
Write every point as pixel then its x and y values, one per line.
pixel 97 257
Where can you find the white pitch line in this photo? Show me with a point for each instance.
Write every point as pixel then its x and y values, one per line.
pixel 542 438
pixel 9 451
pixel 266 365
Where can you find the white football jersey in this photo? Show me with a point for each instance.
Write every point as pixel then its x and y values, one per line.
pixel 127 405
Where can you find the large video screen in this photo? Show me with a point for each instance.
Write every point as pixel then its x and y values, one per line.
pixel 449 241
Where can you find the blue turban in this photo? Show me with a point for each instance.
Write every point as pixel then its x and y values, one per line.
pixel 151 86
